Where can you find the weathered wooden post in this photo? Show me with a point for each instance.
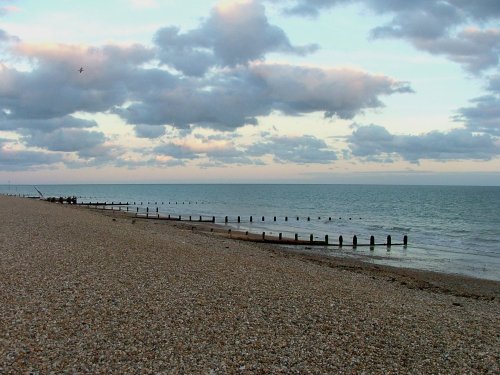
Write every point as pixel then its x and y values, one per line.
pixel 251 218
pixel 189 217
pixel 326 239
pixel 405 240
pixel 280 236
pixel 311 238
pixel 372 241
pixel 213 219
pixel 354 241
pixel 389 241
pixel 263 235
pixel 296 237
pixel 200 218
pixel 239 219
pixel 341 239
pixel 225 220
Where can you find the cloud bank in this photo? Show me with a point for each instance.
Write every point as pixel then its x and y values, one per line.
pixel 216 76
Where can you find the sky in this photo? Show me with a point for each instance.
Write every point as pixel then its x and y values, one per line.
pixel 250 91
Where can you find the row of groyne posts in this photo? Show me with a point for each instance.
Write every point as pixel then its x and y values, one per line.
pixel 146 213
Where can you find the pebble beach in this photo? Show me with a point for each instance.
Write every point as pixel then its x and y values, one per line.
pixel 87 292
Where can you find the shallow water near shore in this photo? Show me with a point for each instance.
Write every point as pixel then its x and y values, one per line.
pixel 451 229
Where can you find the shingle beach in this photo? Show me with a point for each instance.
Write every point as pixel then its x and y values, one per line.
pixel 82 292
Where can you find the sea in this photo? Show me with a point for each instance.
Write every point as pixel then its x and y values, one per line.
pixel 450 229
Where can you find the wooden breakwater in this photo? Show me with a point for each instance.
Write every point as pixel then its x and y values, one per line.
pixel 154 214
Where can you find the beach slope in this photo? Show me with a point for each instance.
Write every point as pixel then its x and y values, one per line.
pixel 86 292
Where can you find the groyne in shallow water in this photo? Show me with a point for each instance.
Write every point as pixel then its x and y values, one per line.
pixel 451 229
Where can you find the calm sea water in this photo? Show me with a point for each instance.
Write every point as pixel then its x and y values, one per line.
pixel 451 229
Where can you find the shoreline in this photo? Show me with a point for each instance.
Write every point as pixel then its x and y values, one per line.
pixel 455 284
pixel 83 291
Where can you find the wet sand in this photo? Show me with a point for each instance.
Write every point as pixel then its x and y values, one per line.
pixel 83 291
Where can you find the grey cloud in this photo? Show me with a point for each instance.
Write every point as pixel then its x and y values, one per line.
pixel 176 151
pixel 310 8
pixel 475 49
pixel 149 131
pixel 44 125
pixel 55 88
pixel 225 101
pixel 15 160
pixel 337 92
pixel 236 97
pixel 494 84
pixel 238 34
pixel 431 25
pixel 374 141
pixel 301 150
pixel 484 116
pixel 65 140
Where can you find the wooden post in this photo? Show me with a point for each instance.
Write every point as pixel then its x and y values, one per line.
pixel 213 219
pixel 251 219
pixel 405 240
pixel 341 239
pixel 326 239
pixel 263 235
pixel 296 237
pixel 372 241
pixel 311 238
pixel 389 241
pixel 239 219
pixel 225 220
pixel 189 217
pixel 179 217
pixel 156 209
pixel 275 218
pixel 354 241
pixel 280 236
pixel 200 218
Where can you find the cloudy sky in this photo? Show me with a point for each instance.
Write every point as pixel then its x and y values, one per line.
pixel 264 91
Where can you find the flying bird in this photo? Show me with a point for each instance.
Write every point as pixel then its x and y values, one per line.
pixel 81 69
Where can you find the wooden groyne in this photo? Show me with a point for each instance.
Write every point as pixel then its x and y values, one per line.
pixel 134 209
pixel 218 226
